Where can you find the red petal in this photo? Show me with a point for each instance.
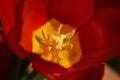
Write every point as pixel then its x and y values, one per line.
pixel 7 14
pixel 11 23
pixel 73 12
pixel 46 68
pixel 55 72
pixel 34 15
pixel 94 73
pixel 13 41
pixel 109 20
pixel 100 39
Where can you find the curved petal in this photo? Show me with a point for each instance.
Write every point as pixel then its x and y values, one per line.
pixel 55 72
pixel 108 19
pixel 46 68
pixel 94 73
pixel 72 12
pixel 37 12
pixel 34 15
pixel 100 39
pixel 7 14
pixel 10 17
pixel 13 41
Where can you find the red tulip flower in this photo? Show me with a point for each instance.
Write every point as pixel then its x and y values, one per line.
pixel 64 39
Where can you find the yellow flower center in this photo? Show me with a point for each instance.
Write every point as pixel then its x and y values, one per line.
pixel 54 42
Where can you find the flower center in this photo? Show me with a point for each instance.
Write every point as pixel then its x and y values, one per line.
pixel 54 44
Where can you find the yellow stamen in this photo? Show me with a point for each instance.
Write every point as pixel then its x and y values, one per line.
pixel 56 43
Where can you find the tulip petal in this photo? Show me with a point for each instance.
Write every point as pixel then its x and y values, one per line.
pixel 45 68
pixel 99 38
pixel 94 73
pixel 108 19
pixel 72 12
pixel 55 72
pixel 11 21
pixel 34 15
pixel 7 14
pixel 13 41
